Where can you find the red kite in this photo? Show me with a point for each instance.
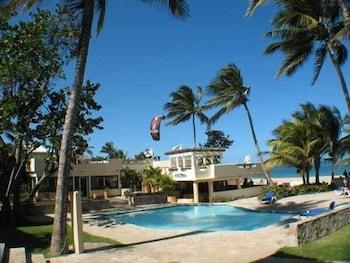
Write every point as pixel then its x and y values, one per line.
pixel 155 127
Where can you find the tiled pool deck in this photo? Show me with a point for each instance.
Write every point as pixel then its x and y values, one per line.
pixel 148 245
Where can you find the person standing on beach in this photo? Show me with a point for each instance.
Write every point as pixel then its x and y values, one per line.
pixel 345 173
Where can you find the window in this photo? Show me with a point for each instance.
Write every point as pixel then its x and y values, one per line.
pixel 97 182
pixel 173 163
pixel 188 161
pixel 102 182
pixel 180 161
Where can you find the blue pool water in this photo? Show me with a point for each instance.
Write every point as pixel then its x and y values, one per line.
pixel 201 217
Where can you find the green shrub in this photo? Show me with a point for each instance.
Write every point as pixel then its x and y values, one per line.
pixel 284 191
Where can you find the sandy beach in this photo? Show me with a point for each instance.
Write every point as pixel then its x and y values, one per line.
pixel 294 180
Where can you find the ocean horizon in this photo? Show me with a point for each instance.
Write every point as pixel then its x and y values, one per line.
pixel 325 170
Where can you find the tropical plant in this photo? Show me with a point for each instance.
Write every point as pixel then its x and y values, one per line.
pixel 309 115
pixel 45 41
pixel 150 178
pixel 112 152
pixel 331 126
pixel 343 4
pixel 85 9
pixel 185 104
pixel 165 183
pixel 130 178
pixel 293 146
pixel 301 28
pixel 228 92
pixel 217 139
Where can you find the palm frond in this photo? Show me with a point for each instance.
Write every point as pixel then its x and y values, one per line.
pixel 101 9
pixel 253 5
pixel 177 8
pixel 320 55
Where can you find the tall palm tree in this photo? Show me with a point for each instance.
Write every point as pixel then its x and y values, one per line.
pixel 309 115
pixel 185 104
pixel 293 147
pixel 228 92
pixel 343 4
pixel 85 9
pixel 331 124
pixel 301 28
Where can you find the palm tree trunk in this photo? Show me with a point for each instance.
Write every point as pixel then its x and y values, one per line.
pixel 303 175
pixel 194 130
pixel 59 231
pixel 341 79
pixel 332 169
pixel 308 177
pixel 269 180
pixel 317 170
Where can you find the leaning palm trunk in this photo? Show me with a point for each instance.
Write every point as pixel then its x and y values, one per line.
pixel 333 164
pixel 59 231
pixel 341 79
pixel 194 131
pixel 269 180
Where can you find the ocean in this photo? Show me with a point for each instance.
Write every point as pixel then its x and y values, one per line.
pixel 326 169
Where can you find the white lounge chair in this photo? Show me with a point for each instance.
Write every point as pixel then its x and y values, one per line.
pixel 342 191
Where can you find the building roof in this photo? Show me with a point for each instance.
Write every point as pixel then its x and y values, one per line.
pixel 194 149
pixel 111 167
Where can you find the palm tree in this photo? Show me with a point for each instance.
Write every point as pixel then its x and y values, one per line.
pixel 331 123
pixel 185 105
pixel 343 4
pixel 112 152
pixel 228 92
pixel 86 10
pixel 293 147
pixel 311 119
pixel 301 28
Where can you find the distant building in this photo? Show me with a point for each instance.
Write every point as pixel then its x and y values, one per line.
pixel 199 174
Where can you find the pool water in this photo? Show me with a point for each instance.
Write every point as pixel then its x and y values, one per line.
pixel 200 217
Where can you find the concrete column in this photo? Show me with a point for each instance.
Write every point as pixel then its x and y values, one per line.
pixel 210 190
pixel 195 193
pixel 77 222
pixel 119 181
pixel 238 182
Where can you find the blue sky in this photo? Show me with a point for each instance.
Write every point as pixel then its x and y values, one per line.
pixel 143 54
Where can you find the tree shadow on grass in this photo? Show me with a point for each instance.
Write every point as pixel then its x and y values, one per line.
pixel 280 257
pixel 14 237
pixel 120 246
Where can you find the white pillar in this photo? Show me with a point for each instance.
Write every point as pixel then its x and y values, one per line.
pixel 77 223
pixel 195 193
pixel 210 190
pixel 238 182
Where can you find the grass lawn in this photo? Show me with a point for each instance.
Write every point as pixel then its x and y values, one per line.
pixel 37 238
pixel 335 246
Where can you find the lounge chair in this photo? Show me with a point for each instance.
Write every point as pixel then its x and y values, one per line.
pixel 269 198
pixel 318 211
pixel 342 191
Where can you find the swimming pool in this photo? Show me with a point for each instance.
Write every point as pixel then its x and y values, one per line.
pixel 200 217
